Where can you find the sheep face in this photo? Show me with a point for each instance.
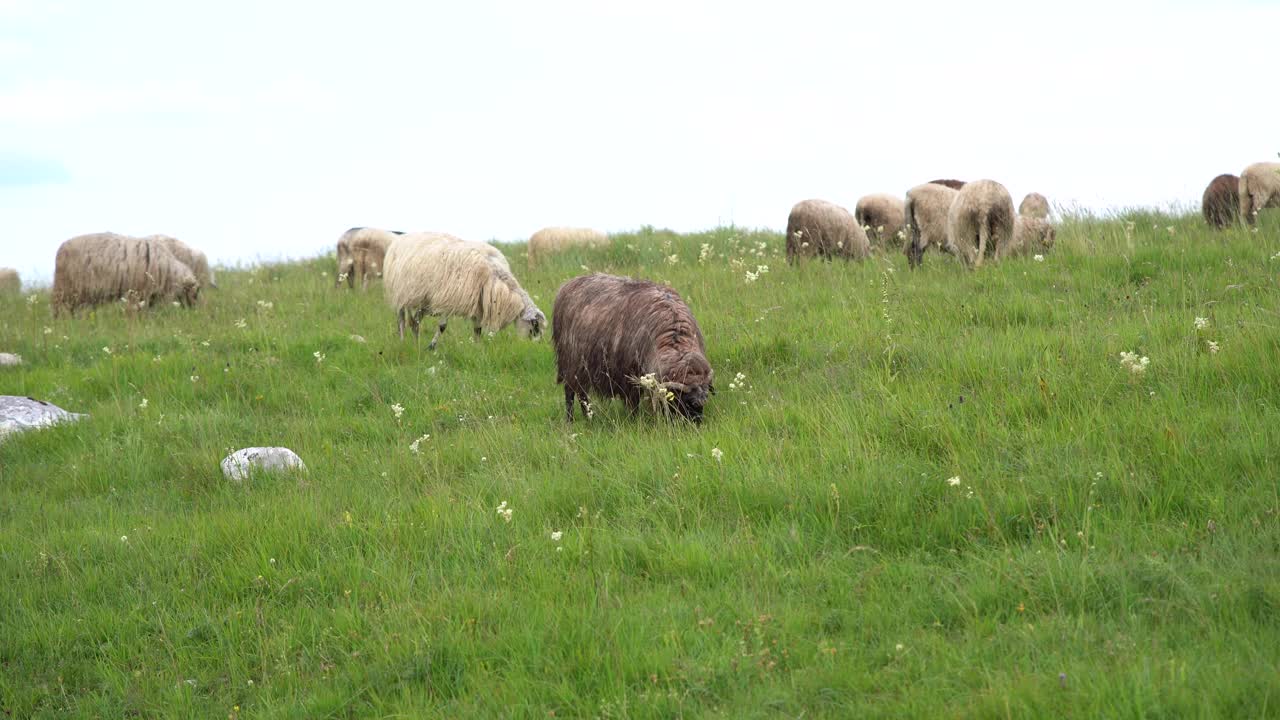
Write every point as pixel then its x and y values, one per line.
pixel 190 292
pixel 689 403
pixel 531 323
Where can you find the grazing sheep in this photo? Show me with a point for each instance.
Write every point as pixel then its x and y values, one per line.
pixel 550 240
pixel 1259 189
pixel 105 267
pixel 980 221
pixel 10 282
pixel 817 227
pixel 1031 235
pixel 1221 201
pixel 953 184
pixel 362 253
pixel 620 337
pixel 925 213
pixel 441 275
pixel 881 216
pixel 1034 205
pixel 190 257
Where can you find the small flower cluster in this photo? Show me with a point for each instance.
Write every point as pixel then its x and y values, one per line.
pixel 266 304
pixel 1038 258
pixel 673 259
pixel 413 446
pixel 504 512
pixel 954 481
pixel 739 381
pixel 1136 365
pixel 760 270
pixel 397 409
pixel 1201 323
pixel 717 453
pixel 705 253
pixel 319 356
pixel 241 324
pixel 556 535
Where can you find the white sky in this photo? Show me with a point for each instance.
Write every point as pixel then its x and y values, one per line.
pixel 264 129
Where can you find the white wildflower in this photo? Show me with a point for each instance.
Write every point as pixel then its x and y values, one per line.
pixel 204 343
pixel 266 304
pixel 673 259
pixel 319 356
pixel 1201 323
pixel 556 535
pixel 717 453
pixel 1038 258
pixel 48 330
pixel 142 405
pixel 358 338
pixel 397 409
pixel 762 269
pixel 704 253
pixel 752 277
pixel 242 324
pixel 1136 365
pixel 1213 347
pixel 32 299
pixel 954 481
pixel 738 381
pixel 106 350
pixel 414 446
pixel 195 378
pixel 124 538
pixel 504 512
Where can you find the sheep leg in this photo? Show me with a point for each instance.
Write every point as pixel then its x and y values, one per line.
pixel 568 403
pixel 439 331
pixel 478 330
pixel 400 317
pixel 983 231
pixel 415 324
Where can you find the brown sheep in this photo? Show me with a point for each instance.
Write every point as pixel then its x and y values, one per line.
pixel 620 337
pixel 925 212
pixel 880 217
pixel 1221 201
pixel 953 184
pixel 106 267
pixel 361 253
pixel 10 281
pixel 980 221
pixel 1034 205
pixel 1259 189
pixel 817 227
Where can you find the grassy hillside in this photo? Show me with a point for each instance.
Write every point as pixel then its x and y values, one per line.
pixel 937 493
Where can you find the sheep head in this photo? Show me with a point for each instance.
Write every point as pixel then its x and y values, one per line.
pixel 531 322
pixel 683 388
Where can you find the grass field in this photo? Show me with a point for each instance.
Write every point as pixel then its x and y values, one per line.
pixel 930 494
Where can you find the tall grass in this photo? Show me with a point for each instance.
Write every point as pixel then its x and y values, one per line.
pixel 938 493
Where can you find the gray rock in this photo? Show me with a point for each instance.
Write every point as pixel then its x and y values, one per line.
pixel 241 463
pixel 18 414
pixel 7 359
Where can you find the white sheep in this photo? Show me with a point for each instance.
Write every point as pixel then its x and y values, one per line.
pixel 189 256
pixel 550 240
pixel 826 230
pixel 1034 205
pixel 1259 189
pixel 104 267
pixel 980 221
pixel 925 219
pixel 362 254
pixel 441 275
pixel 10 281
pixel 1030 235
pixel 881 217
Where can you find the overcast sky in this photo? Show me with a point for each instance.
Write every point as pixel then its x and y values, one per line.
pixel 264 129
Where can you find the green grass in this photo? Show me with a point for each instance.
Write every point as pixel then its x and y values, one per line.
pixel 1112 550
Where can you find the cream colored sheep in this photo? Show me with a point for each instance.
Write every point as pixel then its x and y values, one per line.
pixel 1034 205
pixel 980 221
pixel 1031 235
pixel 361 255
pixel 10 281
pixel 925 220
pixel 825 230
pixel 1259 189
pixel 881 217
pixel 105 267
pixel 438 274
pixel 190 257
pixel 551 240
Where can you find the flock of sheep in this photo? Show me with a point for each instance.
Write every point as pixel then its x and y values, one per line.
pixel 613 336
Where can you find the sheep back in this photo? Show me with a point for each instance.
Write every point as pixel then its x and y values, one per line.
pixel 1221 200
pixel 953 184
pixel 1259 188
pixel 980 221
pixel 439 274
pixel 1034 205
pixel 190 257
pixel 881 217
pixel 826 230
pixel 10 281
pixel 609 330
pixel 106 267
pixel 551 240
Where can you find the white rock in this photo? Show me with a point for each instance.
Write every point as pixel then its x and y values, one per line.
pixel 23 413
pixel 10 359
pixel 241 463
